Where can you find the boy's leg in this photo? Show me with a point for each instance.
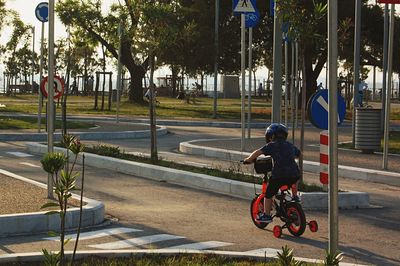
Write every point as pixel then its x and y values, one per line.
pixel 267 206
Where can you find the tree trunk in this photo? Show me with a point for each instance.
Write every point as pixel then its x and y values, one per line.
pixel 173 81
pixel 310 80
pixel 85 92
pixel 136 89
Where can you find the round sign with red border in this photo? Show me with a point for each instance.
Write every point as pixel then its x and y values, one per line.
pixel 58 87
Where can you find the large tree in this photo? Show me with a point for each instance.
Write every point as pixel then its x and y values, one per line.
pixel 308 22
pixel 103 28
pixel 17 54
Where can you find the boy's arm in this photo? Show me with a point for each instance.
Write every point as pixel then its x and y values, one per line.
pixel 253 156
pixel 297 152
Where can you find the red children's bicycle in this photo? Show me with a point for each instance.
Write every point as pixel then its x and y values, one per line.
pixel 284 207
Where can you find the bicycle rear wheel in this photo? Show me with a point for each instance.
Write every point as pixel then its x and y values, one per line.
pixel 256 210
pixel 297 219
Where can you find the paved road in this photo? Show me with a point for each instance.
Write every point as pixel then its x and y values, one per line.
pixel 169 215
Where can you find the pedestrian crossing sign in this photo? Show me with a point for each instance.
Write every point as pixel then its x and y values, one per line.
pixel 244 6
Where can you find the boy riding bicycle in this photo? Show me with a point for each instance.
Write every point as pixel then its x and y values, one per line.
pixel 285 170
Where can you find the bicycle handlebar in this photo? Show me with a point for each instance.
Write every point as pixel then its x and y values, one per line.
pixel 243 162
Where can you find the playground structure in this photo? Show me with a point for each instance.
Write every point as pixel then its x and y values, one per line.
pixel 96 90
pixel 11 87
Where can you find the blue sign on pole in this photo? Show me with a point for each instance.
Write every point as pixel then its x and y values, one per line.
pixel 42 12
pixel 318 109
pixel 252 19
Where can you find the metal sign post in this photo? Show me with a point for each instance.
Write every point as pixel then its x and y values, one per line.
pixel 119 68
pixel 33 58
pixel 385 59
pixel 243 71
pixel 286 79
pixel 292 92
pixel 243 7
pixel 42 14
pixel 50 99
pixel 216 41
pixel 250 71
pixel 333 132
pixel 389 88
pixel 277 75
pixel 356 79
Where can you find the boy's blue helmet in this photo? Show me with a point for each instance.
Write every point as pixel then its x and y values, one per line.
pixel 281 132
pixel 270 132
pixel 276 131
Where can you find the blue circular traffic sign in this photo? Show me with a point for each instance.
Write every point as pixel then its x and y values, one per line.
pixel 318 109
pixel 42 12
pixel 252 19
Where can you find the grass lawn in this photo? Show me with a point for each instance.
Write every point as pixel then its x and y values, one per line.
pixel 7 122
pixel 168 108
pixel 394 143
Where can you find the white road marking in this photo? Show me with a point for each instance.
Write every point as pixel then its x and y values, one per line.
pixel 97 233
pixel 173 154
pixel 138 241
pixel 19 154
pixel 264 251
pixel 198 164
pixel 202 245
pixel 30 164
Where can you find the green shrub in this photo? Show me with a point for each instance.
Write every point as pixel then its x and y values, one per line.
pixel 105 150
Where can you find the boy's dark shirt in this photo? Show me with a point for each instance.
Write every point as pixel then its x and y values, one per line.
pixel 283 153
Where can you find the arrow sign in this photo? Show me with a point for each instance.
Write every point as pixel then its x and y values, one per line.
pixel 318 109
pixel 244 6
pixel 42 12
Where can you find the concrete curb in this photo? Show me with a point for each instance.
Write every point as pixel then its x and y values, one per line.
pixel 261 256
pixel 83 135
pixel 373 175
pixel 38 222
pixel 200 181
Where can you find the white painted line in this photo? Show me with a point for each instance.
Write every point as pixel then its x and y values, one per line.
pixel 138 241
pixel 173 154
pixel 202 245
pixel 97 233
pixel 30 164
pixel 195 163
pixel 19 154
pixel 270 252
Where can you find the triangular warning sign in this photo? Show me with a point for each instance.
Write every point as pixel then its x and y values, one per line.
pixel 244 6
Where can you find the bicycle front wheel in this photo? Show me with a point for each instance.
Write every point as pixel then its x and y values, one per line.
pixel 296 218
pixel 256 210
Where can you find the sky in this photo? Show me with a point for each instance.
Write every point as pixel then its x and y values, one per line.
pixel 26 9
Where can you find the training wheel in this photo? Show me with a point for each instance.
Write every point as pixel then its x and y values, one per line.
pixel 277 231
pixel 313 226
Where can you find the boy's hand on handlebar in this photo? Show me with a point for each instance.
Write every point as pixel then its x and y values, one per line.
pixel 247 161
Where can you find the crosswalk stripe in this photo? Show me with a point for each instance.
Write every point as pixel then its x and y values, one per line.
pixel 30 164
pixel 263 251
pixel 97 233
pixel 138 241
pixel 202 245
pixel 19 154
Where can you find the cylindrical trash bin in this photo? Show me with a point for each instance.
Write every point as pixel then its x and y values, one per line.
pixel 368 131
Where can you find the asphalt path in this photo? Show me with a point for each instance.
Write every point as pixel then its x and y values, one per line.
pixel 188 216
